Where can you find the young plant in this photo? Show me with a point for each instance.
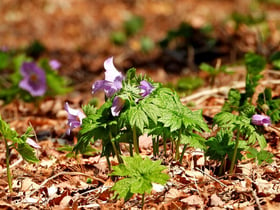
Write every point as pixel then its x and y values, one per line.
pixel 134 106
pixel 268 105
pixel 238 133
pixel 241 131
pixel 214 71
pixel 23 144
pixel 139 174
pixel 29 80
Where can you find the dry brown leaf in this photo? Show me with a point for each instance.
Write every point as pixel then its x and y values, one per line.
pixel 193 200
pixel 216 201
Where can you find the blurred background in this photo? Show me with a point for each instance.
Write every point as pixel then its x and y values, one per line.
pixel 165 38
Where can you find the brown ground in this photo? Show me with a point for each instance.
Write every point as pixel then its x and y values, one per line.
pixel 77 34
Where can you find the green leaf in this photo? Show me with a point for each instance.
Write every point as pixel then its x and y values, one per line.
pixel 6 131
pixel 133 25
pixel 254 63
pixel 122 188
pixel 224 119
pixel 220 145
pixel 139 175
pixel 194 140
pixel 233 101
pixel 137 118
pixel 27 152
pixel 89 109
pixel 4 60
pixel 264 155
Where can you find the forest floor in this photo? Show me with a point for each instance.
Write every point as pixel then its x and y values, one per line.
pixel 78 35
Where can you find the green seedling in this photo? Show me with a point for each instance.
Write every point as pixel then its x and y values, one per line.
pixel 139 174
pixel 13 140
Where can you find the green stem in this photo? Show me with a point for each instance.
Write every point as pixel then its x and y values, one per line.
pixel 115 149
pixel 108 162
pixel 221 170
pixel 143 200
pixel 178 146
pixel 9 175
pixel 130 150
pixel 154 147
pixel 234 154
pixel 157 145
pixel 182 154
pixel 135 141
pixel 164 146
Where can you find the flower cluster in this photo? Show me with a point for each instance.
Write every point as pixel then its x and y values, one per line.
pixel 34 79
pixel 113 83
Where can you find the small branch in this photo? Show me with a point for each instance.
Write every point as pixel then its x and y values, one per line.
pixel 257 200
pixel 12 166
pixel 211 177
pixel 224 89
pixel 64 173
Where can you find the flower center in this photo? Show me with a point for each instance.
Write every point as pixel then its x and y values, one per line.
pixel 33 77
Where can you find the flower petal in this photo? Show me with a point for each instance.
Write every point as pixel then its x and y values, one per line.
pixel 32 143
pixel 111 72
pixel 54 64
pixel 118 104
pixel 261 120
pixel 146 88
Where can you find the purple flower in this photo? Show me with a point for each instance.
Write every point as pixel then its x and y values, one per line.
pixel 112 82
pixel 75 117
pixel 146 88
pixel 117 106
pixel 32 143
pixel 34 79
pixel 261 120
pixel 54 64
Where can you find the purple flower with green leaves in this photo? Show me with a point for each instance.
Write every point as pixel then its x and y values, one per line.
pixel 34 79
pixel 54 64
pixel 261 120
pixel 146 88
pixel 75 117
pixel 118 104
pixel 113 79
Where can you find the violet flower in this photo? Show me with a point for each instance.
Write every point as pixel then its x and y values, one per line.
pixel 118 104
pixel 34 79
pixel 32 143
pixel 54 64
pixel 261 120
pixel 146 88
pixel 112 82
pixel 75 117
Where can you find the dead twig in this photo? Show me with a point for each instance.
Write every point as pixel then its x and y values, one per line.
pixel 13 165
pixel 64 173
pixel 223 89
pixel 211 177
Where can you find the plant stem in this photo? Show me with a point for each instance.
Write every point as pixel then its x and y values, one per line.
pixel 234 154
pixel 143 200
pixel 108 162
pixel 221 169
pixel 164 145
pixel 157 145
pixel 135 141
pixel 182 154
pixel 154 147
pixel 115 148
pixel 9 175
pixel 130 150
pixel 178 146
